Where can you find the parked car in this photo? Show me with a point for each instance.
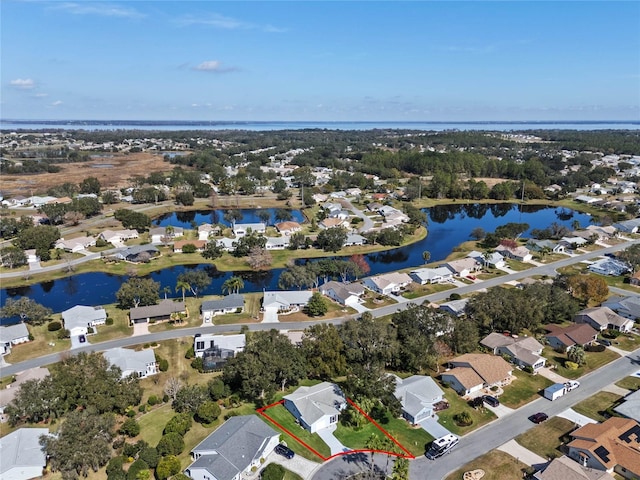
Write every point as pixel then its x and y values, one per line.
pixel 284 451
pixel 604 342
pixel 491 401
pixel 539 417
pixel 571 385
pixel 82 338
pixel 471 277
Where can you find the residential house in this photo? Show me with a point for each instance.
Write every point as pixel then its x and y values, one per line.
pixel 387 283
pixel 287 228
pixel 563 468
pixel 331 207
pixel 630 408
pixel 155 313
pixel 75 245
pixel 141 363
pixel 138 253
pixel 227 244
pixel 228 345
pixel 374 206
pixel 628 226
pixel 635 279
pixel 545 245
pixel 463 267
pixel 333 223
pixel 602 318
pixel 572 242
pixel 199 244
pixel 242 229
pixel 79 318
pixel 609 266
pixel 353 192
pixel 21 454
pixel 417 395
pixel 235 448
pixel 586 199
pixel 455 307
pixel 611 446
pixel 605 232
pixel 354 239
pixel 563 338
pixel 232 303
pixel 12 335
pixel 118 237
pixel 285 300
pixel 344 293
pixel 8 393
pixel 316 407
pixel 32 256
pixel 490 259
pixel 277 243
pixel 520 253
pixel 425 276
pixel 523 351
pixel 342 214
pixel 627 307
pixel 165 234
pixel 472 372
pixel 206 231
pixel 16 202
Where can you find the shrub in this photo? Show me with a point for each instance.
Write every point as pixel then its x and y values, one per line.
pixel 64 333
pixel 595 348
pixel 142 408
pixel 109 321
pixel 180 424
pixel 163 364
pixel 190 353
pixel 90 330
pixel 170 444
pixel 101 243
pixel 153 400
pixel 611 333
pixel 31 337
pixel 189 248
pixel 208 412
pixel 463 419
pixel 54 326
pixel 115 464
pixel 571 365
pixel 149 455
pixel 528 368
pixel 198 364
pixel 455 296
pixel 273 471
pixel 167 467
pixel 130 428
pixel 135 468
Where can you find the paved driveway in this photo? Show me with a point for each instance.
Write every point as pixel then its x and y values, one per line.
pixel 270 315
pixel 575 417
pixel 335 445
pixel 551 375
pixel 501 410
pixel 516 450
pixel 75 342
pixel 297 464
pixel 433 428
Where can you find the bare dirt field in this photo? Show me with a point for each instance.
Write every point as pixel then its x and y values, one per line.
pixel 113 172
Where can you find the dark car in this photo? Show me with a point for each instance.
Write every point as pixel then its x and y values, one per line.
pixel 284 451
pixel 539 417
pixel 82 338
pixel 491 401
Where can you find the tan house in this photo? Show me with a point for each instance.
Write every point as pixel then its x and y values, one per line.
pixel 287 228
pixel 199 244
pixel 154 313
pixel 472 372
pixel 602 318
pixel 523 351
pixel 563 468
pixel 333 222
pixel 611 446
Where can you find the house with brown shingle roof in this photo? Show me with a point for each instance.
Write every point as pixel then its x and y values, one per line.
pixel 611 446
pixel 333 223
pixel 524 351
pixel 602 318
pixel 198 244
pixel 287 228
pixel 563 468
pixel 474 371
pixel 564 338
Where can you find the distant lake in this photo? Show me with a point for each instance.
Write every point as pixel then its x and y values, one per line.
pixel 448 226
pixel 198 217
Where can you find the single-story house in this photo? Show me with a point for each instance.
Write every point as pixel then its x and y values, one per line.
pixel 563 338
pixel 463 267
pixel 541 245
pixel 387 283
pixel 227 244
pixel 455 307
pixel 17 201
pixel 286 299
pixel 354 239
pixel 287 228
pixel 635 279
pixel 231 303
pixel 164 234
pixel 75 245
pixel 628 307
pixel 523 351
pixel 572 242
pixel 199 244
pixel 586 199
pixel 602 318
pixel 22 454
pixel 32 256
pixel 316 407
pixel 563 468
pixel 235 448
pixel 520 253
pixel 132 362
pixel 343 293
pixel 228 345
pixel 79 318
pixel 331 207
pixel 333 223
pixel 154 313
pixel 474 371
pixel 628 226
pixel 341 214
pixel 491 259
pixel 241 229
pixel 417 395
pixel 276 243
pixel 609 266
pixel 118 236
pixel 206 231
pixel 611 446
pixel 8 393
pixel 138 253
pixel 604 232
pixel 630 408
pixel 12 335
pixel 424 276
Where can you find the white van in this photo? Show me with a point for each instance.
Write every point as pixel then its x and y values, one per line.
pixel 442 445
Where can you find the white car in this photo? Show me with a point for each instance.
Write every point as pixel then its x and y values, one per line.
pixel 571 385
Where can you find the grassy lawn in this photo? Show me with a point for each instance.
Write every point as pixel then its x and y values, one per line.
pixel 119 329
pixel 595 406
pixel 457 405
pixel 413 439
pixel 374 300
pixel 44 343
pixel 284 418
pixel 595 360
pixel 628 342
pixel 289 475
pixel 497 465
pixel 519 266
pixel 630 383
pixel 415 291
pixel 524 389
pixel 545 439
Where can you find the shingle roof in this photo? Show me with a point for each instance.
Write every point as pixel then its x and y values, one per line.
pixel 234 300
pixel 630 408
pixel 317 401
pixel 128 360
pixel 578 333
pixel 21 448
pixel 563 468
pixel 164 308
pixel 603 316
pixel 82 316
pixel 416 393
pixel 490 368
pixel 9 333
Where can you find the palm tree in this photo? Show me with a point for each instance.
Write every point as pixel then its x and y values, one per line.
pixel 374 442
pixel 184 286
pixel 426 256
pixel 575 224
pixel 233 285
pixel 166 290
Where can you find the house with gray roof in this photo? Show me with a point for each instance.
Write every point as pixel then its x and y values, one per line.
pixel 630 408
pixel 424 276
pixel 242 229
pixel 609 266
pixel 227 345
pixel 491 259
pixel 628 226
pixel 627 307
pixel 8 393
pixel 233 449
pixel 138 253
pixel 233 303
pixel 354 239
pixel 316 407
pixel 12 335
pixel 21 455
pixel 156 313
pixel 285 299
pixel 602 318
pixel 455 307
pixel 343 293
pixel 524 351
pixel 79 318
pixel 417 395
pixel 139 362
pixel 165 234
pixel 564 468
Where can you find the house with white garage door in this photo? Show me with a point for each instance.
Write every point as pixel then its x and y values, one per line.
pixel 78 319
pixel 343 293
pixel 276 302
pixel 316 407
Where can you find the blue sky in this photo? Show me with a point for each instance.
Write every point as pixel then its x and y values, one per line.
pixel 320 61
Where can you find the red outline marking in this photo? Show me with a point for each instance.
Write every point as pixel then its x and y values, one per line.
pixel 407 454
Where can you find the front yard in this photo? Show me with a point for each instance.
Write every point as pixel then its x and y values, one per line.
pixel 630 383
pixel 594 360
pixel 458 405
pixel 497 465
pixel 524 389
pixel 545 439
pixel 596 406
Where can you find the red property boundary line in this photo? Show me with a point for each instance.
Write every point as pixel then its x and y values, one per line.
pixel 407 454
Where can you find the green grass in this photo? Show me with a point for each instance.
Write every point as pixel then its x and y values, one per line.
pixel 413 439
pixel 457 405
pixel 594 360
pixel 44 343
pixel 152 423
pixel 630 383
pixel 596 405
pixel 524 389
pixel 545 439
pixel 284 418
pixel 628 342
pixel 289 475
pixel 497 465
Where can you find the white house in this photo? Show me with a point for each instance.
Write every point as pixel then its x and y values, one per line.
pixel 316 407
pixel 75 245
pixel 118 236
pixel 519 253
pixel 21 454
pixel 417 395
pixel 241 229
pixel 141 362
pixel 228 304
pixel 387 283
pixel 344 293
pixel 492 259
pixel 229 345
pixel 463 267
pixel 609 266
pixel 206 231
pixel 276 243
pixel 79 318
pixel 424 276
pixel 354 239
pixel 32 256
pixel 12 335
pixel 162 234
pixel 285 299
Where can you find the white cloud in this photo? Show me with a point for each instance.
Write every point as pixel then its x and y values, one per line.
pixel 217 20
pixel 23 83
pixel 57 103
pixel 213 66
pixel 97 8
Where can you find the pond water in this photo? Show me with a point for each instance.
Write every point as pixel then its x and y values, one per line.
pixel 198 217
pixel 448 226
